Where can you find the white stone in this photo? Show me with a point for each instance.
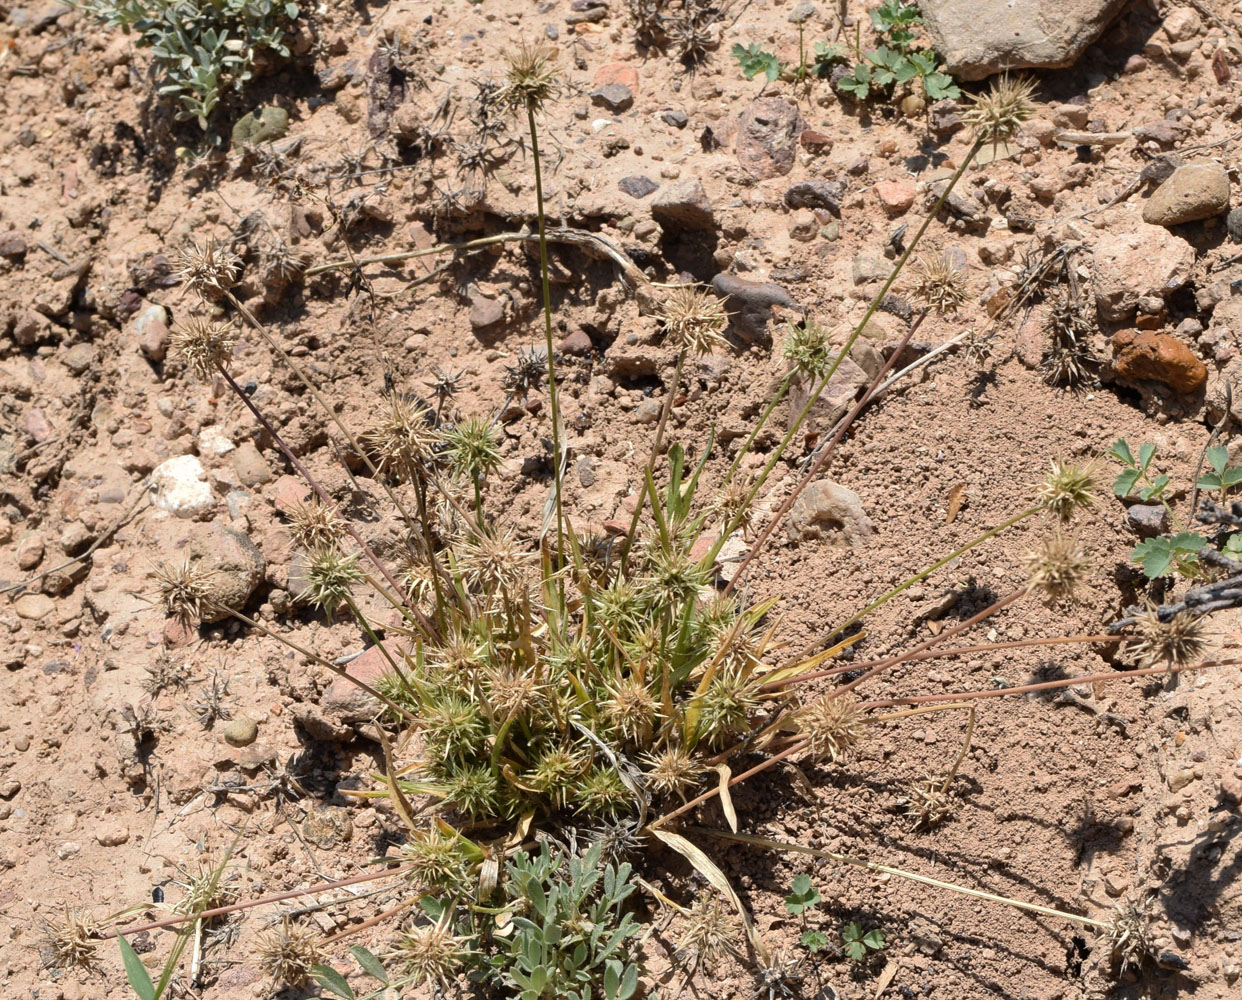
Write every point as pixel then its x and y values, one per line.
pixel 212 439
pixel 180 487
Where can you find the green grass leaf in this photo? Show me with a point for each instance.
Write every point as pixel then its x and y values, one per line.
pixel 136 972
pixel 332 981
pixel 371 965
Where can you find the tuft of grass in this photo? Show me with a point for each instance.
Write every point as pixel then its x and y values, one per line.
pixel 71 941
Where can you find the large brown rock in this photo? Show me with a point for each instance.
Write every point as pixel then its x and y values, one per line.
pixel 980 37
pixel 1147 356
pixel 1193 192
pixel 234 567
pixel 1126 267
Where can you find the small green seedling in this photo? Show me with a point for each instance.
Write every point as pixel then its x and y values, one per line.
pixel 814 941
pixel 1138 472
pixel 1178 552
pixel 858 942
pixel 755 60
pixel 895 62
pixel 1223 476
pixel 803 897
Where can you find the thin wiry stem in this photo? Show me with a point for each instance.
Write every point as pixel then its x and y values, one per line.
pixel 320 492
pixel 917 577
pixel 923 699
pixel 279 897
pixel 336 668
pixel 553 395
pixel 986 613
pixel 773 403
pixel 846 859
pixel 938 654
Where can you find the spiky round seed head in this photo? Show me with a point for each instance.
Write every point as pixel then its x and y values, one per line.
pixel 511 693
pixel 71 941
pixel 673 771
pixel 710 934
pixel 315 524
pixel 832 725
pixel 725 707
pixel 808 348
pixel 694 319
pixel 452 725
pixel 435 861
pixel 939 284
pixel 735 505
pixel 1174 643
pixel 555 773
pixel 692 34
pixel 473 449
pixel 474 790
pixel 403 444
pixel 526 373
pixel 209 268
pixel 288 953
pixel 204 348
pixel 431 953
pixel 459 657
pixel 978 346
pixel 1057 567
pixel 207 887
pixel 184 591
pixel 632 710
pixel 931 803
pixel 619 841
pixel 330 577
pixel 673 578
pixel 1067 488
pixel 283 263
pixel 602 794
pixel 493 562
pixel 444 385
pixel 417 580
pixel 531 78
pixel 998 114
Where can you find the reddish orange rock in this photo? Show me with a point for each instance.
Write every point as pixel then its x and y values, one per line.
pixel 621 73
pixel 1146 356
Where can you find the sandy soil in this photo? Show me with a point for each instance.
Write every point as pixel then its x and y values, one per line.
pixel 111 785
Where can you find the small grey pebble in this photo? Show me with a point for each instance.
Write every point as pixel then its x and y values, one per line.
pixel 1233 223
pixel 552 31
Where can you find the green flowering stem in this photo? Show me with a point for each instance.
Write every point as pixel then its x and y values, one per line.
pixel 923 574
pixel 656 448
pixel 825 453
pixel 778 454
pixel 781 391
